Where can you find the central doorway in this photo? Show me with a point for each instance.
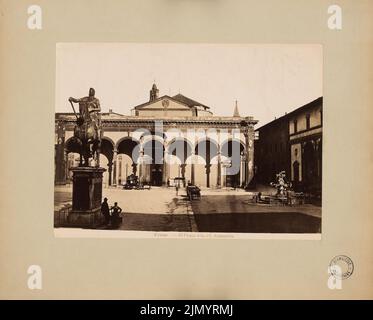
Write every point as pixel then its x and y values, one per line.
pixel 156 174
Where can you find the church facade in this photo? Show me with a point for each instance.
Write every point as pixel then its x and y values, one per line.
pixel 165 139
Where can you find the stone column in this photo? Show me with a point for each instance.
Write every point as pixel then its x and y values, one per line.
pixel 249 154
pixel 218 168
pixel 120 163
pixel 166 173
pixel 225 177
pixel 218 182
pixel 110 170
pixel 182 168
pixel 115 167
pixel 141 165
pixel 192 178
pixel 246 134
pixel 208 166
pixel 242 170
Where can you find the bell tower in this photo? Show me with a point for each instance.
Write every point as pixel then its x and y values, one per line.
pixel 154 93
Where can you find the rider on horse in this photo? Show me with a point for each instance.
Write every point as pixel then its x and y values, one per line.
pixel 88 129
pixel 89 108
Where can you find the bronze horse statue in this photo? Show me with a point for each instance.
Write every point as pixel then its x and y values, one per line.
pixel 87 138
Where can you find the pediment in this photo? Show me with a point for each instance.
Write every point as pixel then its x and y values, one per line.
pixel 165 102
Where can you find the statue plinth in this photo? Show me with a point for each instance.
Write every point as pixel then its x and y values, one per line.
pixel 87 195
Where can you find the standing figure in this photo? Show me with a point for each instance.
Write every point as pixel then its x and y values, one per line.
pixel 105 211
pixel 115 215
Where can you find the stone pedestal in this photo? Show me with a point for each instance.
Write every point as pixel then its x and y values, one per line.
pixel 87 196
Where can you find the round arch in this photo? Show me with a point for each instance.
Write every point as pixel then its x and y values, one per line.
pixel 72 146
pixel 109 140
pixel 207 148
pixel 180 148
pixel 227 147
pixel 107 148
pixel 207 172
pixel 127 146
pixel 154 150
pixel 150 137
pixel 231 150
pixel 124 140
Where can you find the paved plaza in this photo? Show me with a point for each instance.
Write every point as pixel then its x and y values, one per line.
pixel 222 210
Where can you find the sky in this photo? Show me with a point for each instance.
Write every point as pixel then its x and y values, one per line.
pixel 266 80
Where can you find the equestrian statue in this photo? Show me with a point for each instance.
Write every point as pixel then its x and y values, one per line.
pixel 87 131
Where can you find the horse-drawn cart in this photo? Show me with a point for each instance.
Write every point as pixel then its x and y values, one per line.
pixel 132 183
pixel 193 192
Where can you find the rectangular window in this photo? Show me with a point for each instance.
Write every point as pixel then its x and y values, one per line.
pixel 320 117
pixel 295 126
pixel 308 125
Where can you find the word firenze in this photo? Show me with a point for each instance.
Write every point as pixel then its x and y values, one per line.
pixel 159 146
pixel 189 310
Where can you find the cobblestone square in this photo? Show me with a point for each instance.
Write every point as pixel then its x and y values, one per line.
pixel 221 210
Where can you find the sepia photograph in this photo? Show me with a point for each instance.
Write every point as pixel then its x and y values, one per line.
pixel 177 139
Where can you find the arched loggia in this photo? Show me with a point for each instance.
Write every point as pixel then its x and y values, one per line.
pixel 207 150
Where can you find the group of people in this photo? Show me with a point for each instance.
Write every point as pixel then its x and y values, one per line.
pixel 111 215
